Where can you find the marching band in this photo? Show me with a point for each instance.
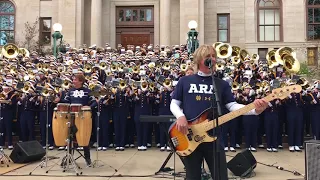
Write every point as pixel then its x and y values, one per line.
pixel 136 81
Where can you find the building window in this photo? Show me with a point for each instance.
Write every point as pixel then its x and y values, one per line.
pixel 135 14
pixel 45 30
pixel 269 20
pixel 262 52
pixel 313 19
pixel 223 27
pixel 7 22
pixel 312 55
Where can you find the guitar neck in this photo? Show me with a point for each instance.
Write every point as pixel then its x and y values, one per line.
pixel 227 117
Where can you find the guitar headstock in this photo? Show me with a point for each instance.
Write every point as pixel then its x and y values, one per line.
pixel 282 93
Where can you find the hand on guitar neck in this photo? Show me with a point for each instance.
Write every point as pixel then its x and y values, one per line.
pixel 187 136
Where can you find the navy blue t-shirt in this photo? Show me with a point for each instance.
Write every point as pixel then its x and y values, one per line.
pixel 195 93
pixel 80 96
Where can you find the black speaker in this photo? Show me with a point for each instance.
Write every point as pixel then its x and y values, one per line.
pixel 312 156
pixel 26 152
pixel 242 164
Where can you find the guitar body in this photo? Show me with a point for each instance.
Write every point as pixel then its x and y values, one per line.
pixel 186 144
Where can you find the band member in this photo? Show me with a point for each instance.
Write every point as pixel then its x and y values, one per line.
pixel 189 71
pixel 7 115
pixel 271 124
pixel 192 95
pixel 295 121
pixel 130 127
pixel 120 115
pixel 80 95
pixel 312 98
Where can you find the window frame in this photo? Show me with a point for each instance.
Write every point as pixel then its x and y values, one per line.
pixel 307 20
pixel 280 8
pixel 228 26
pixel 316 51
pixel 41 31
pixel 14 20
pixel 131 22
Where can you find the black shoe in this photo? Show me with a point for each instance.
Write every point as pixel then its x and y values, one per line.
pixel 88 162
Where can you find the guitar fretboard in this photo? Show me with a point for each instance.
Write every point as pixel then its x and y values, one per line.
pixel 227 117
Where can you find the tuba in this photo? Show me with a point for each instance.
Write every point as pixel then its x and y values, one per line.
pixel 10 51
pixel 24 52
pixel 282 52
pixel 235 60
pixel 271 59
pixel 144 85
pixel 235 51
pixel 243 54
pixel 291 64
pixel 167 83
pixel 224 50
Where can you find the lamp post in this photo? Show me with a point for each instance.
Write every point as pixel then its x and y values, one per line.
pixel 56 35
pixel 193 42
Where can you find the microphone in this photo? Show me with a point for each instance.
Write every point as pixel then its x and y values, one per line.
pixel 208 62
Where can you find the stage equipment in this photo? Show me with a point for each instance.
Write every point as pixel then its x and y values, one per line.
pixel 242 164
pixel 26 152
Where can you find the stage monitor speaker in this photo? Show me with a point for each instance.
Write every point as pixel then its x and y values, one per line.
pixel 312 163
pixel 242 164
pixel 26 152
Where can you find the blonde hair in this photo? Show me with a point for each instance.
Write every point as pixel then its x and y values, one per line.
pixel 201 53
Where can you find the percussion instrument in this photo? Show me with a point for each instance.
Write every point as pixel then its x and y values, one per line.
pixel 75 108
pixel 63 107
pixel 60 127
pixel 83 122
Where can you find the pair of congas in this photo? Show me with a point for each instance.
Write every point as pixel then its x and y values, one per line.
pixel 62 118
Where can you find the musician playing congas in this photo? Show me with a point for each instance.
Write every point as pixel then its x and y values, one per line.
pixel 192 94
pixel 80 95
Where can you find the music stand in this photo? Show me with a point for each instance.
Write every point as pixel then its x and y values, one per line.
pixel 164 119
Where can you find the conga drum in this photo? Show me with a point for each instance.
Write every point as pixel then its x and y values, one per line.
pixel 63 107
pixel 83 122
pixel 60 127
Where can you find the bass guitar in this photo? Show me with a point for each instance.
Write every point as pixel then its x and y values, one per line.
pixel 198 128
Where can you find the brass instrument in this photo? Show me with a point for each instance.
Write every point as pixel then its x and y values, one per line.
pixel 10 51
pixel 13 70
pixel 183 67
pixel 109 73
pixel 122 84
pixel 103 65
pixel 224 50
pixel 167 83
pixel 46 67
pixel 87 68
pixel 26 88
pixel 151 86
pixel 114 67
pixel 24 52
pixel 235 60
pixel 235 51
pixel 243 54
pixel 121 68
pixel 45 92
pixel 272 62
pixel 66 84
pixel 144 85
pixel 255 57
pixel 282 52
pixel 235 86
pixel 166 66
pixel 136 69
pixel 151 65
pixel 3 96
pixel 39 66
pixel 291 64
pixel 220 66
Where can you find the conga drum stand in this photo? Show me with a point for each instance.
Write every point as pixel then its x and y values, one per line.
pixel 4 159
pixel 98 163
pixel 44 162
pixel 68 159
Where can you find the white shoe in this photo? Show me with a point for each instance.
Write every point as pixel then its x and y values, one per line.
pixel 269 149
pixel 261 146
pixel 158 145
pixel 132 145
pixel 280 146
pixel 140 148
pixel 162 148
pixel 232 149
pixel 1 148
pixel 148 145
pixel 291 148
pixel 253 149
pixel 117 149
pixel 237 146
pixel 61 148
pixel 44 147
pixel 99 148
pixel 10 147
pixel 51 148
pixel 144 148
pixel 274 150
pixel 168 148
pixel 121 148
pixel 296 148
pixel 104 148
pixel 127 145
pixel 110 145
pixel 95 145
pixel 226 149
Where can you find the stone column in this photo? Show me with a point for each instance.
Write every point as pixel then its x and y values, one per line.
pixel 165 22
pixel 96 22
pixel 189 10
pixel 80 23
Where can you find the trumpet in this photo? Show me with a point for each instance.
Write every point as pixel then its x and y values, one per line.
pixel 114 67
pixel 183 67
pixel 235 86
pixel 103 65
pixel 66 84
pixel 167 83
pixel 144 85
pixel 136 69
pixel 220 66
pixel 166 66
pixel 120 68
pixel 122 84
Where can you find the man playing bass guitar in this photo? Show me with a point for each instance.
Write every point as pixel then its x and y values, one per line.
pixel 193 94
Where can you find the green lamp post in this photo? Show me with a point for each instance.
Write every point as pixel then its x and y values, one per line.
pixel 56 35
pixel 193 42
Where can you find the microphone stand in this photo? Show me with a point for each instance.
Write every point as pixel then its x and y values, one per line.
pixel 216 110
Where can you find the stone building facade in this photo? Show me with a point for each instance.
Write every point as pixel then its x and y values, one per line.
pixel 257 25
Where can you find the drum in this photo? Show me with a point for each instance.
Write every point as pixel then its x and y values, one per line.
pixel 83 122
pixel 60 127
pixel 75 108
pixel 63 107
